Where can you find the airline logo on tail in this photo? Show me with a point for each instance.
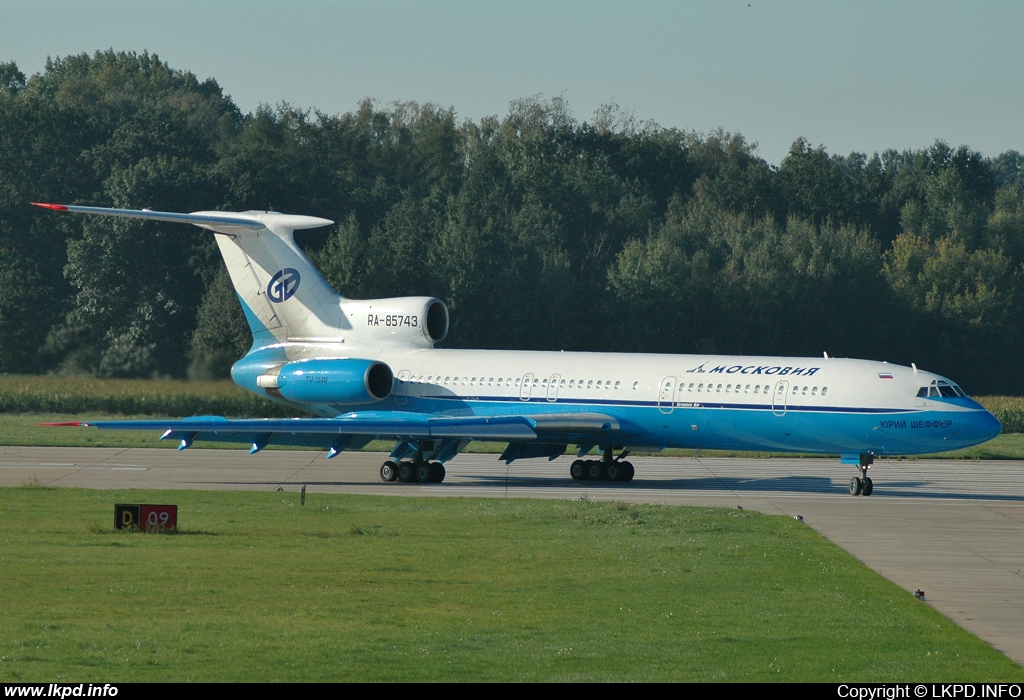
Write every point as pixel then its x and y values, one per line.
pixel 283 285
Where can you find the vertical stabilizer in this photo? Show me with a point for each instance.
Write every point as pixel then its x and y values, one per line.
pixel 284 296
pixel 279 286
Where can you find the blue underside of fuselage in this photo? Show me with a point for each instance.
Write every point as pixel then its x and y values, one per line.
pixel 747 427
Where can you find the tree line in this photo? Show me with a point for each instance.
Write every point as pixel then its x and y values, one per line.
pixel 539 230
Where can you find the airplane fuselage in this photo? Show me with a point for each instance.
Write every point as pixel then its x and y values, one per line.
pixel 812 405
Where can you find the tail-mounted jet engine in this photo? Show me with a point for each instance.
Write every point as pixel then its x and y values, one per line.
pixel 329 381
pixel 419 321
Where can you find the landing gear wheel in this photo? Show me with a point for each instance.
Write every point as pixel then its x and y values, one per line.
pixel 388 472
pixel 424 472
pixel 436 472
pixel 578 470
pixel 594 470
pixel 405 472
pixel 868 487
pixel 614 471
pixel 627 471
pixel 856 486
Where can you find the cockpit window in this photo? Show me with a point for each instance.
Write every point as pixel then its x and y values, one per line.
pixel 941 388
pixel 947 390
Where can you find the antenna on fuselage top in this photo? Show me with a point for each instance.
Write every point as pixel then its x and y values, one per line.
pixel 913 367
pixel 825 354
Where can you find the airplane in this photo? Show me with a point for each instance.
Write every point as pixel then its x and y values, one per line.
pixel 369 369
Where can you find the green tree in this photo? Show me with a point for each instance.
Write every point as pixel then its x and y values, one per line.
pixel 222 335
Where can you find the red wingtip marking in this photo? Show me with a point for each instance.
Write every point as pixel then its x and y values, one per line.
pixel 51 207
pixel 65 424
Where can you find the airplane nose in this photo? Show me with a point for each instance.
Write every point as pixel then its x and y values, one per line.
pixel 979 427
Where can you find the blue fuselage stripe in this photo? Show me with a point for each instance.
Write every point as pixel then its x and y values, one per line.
pixel 810 429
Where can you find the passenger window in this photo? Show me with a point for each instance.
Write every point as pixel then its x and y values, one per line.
pixel 814 391
pixel 617 385
pixel 598 383
pixel 636 385
pixel 590 384
pixel 824 390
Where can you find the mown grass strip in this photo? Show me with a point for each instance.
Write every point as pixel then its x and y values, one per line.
pixel 132 397
pixel 256 587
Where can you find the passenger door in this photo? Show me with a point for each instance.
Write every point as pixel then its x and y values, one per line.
pixel 780 398
pixel 667 395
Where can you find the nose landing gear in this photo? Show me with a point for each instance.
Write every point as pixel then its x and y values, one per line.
pixel 860 485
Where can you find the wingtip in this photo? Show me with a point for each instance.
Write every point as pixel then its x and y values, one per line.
pixel 51 207
pixel 65 424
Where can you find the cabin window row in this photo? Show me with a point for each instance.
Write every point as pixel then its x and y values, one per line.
pixel 515 382
pixel 753 389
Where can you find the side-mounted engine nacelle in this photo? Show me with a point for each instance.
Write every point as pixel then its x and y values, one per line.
pixel 420 321
pixel 329 381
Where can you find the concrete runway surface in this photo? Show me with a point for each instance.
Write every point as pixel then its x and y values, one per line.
pixel 952 528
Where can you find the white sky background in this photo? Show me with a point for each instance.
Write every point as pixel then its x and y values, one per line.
pixel 852 76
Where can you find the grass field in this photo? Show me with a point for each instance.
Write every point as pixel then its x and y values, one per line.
pixel 86 395
pixel 256 587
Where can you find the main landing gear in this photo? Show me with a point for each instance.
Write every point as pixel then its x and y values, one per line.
pixel 608 468
pixel 412 471
pixel 862 485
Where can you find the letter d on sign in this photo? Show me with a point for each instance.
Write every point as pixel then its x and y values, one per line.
pixel 126 516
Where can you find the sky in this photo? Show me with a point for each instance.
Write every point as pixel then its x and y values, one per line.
pixel 863 76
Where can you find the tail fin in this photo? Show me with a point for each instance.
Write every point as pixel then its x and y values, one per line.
pixel 283 295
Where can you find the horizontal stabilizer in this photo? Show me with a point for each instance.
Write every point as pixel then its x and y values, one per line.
pixel 226 222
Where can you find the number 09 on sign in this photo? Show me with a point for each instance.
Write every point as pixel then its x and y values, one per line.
pixel 145 516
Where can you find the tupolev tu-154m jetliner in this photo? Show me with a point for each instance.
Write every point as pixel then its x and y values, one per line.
pixel 368 369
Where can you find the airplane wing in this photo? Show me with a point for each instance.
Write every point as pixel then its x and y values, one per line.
pixel 355 430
